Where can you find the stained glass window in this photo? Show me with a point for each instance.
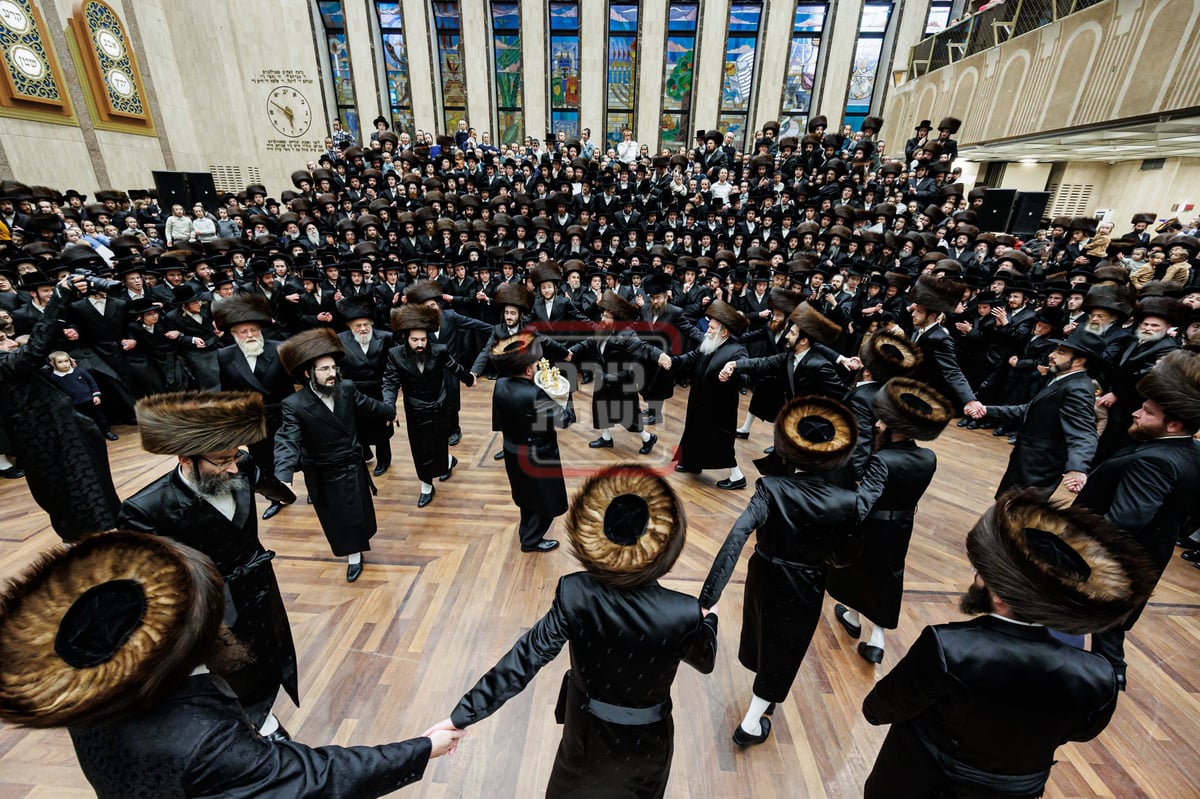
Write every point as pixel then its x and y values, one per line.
pixel 679 60
pixel 737 82
pixel 395 65
pixel 447 21
pixel 622 70
pixel 333 18
pixel 564 68
pixel 861 91
pixel 510 97
pixel 808 25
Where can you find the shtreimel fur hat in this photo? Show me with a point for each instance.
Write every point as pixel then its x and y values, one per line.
pixel 626 525
pixel 1174 384
pixel 733 319
pixel 912 408
pixel 814 324
pixel 512 355
pixel 242 308
pixel 422 291
pixel 940 295
pixel 303 348
pixel 815 433
pixel 195 422
pixel 104 628
pixel 1063 568
pixel 415 317
pixel 886 356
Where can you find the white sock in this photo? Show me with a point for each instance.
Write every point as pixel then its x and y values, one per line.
pixel 449 462
pixel 355 558
pixel 645 436
pixel 269 726
pixel 426 487
pixel 5 463
pixel 735 474
pixel 876 636
pixel 750 724
pixel 749 420
pixel 853 617
pixel 607 436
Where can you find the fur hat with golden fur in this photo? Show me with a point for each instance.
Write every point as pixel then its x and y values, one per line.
pixel 189 423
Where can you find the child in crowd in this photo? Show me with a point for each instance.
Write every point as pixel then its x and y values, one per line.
pixel 78 384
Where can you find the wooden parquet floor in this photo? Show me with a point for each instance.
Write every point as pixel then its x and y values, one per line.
pixel 446 591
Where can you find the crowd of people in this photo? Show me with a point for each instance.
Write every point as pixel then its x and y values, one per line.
pixel 854 298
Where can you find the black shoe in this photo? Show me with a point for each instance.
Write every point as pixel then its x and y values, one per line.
pixel 111 436
pixel 272 509
pixel 649 417
pixel 966 420
pixel 769 450
pixel 1120 672
pixel 545 545
pixel 683 383
pixel 455 437
pixel 280 735
pixel 353 572
pixel 12 473
pixel 1012 440
pixel 839 612
pixel 449 472
pixel 732 485
pixel 770 711
pixel 585 378
pixel 308 499
pixel 871 654
pixel 499 456
pixel 743 390
pixel 648 445
pixel 744 739
pixel 601 443
pixel 380 469
pixel 679 467
pixel 1191 556
pixel 999 431
pixel 740 434
pixel 972 425
pixel 425 499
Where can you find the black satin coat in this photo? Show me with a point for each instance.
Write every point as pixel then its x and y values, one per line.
pixel 527 417
pixel 997 696
pixel 874 584
pixel 939 367
pixel 620 371
pixel 625 646
pixel 426 415
pixel 798 519
pixel 712 408
pixel 254 610
pixel 199 743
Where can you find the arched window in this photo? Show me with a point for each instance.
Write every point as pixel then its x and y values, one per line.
pixel 737 82
pixel 808 25
pixel 395 65
pixel 447 23
pixel 679 61
pixel 871 29
pixel 510 94
pixel 622 70
pixel 564 68
pixel 333 18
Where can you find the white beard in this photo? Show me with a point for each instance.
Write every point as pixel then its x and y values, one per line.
pixel 364 339
pixel 1097 329
pixel 710 343
pixel 1149 338
pixel 251 349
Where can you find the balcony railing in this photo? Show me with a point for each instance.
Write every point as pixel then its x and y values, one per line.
pixel 986 29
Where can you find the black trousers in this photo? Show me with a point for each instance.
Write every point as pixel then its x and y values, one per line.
pixel 1111 644
pixel 533 527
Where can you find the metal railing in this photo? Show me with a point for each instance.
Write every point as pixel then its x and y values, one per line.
pixel 986 29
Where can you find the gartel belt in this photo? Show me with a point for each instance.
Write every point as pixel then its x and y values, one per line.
pixel 891 515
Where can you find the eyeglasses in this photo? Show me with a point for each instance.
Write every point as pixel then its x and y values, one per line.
pixel 222 464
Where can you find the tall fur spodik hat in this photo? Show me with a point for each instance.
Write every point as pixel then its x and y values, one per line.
pixel 1064 568
pixel 423 291
pixel 104 628
pixel 727 315
pixel 241 308
pixel 191 423
pixel 938 294
pixel 516 295
pixel 886 355
pixel 626 525
pixel 912 408
pixel 622 309
pixel 303 348
pixel 415 317
pixel 1174 384
pixel 814 324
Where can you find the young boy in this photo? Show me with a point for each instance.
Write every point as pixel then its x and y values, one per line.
pixel 78 384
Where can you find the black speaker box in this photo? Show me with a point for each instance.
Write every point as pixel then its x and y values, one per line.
pixel 203 190
pixel 1028 212
pixel 996 210
pixel 173 188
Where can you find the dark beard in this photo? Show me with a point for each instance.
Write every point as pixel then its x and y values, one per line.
pixel 975 601
pixel 420 358
pixel 326 390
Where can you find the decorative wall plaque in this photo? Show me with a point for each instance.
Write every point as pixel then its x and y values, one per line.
pixel 115 90
pixel 32 84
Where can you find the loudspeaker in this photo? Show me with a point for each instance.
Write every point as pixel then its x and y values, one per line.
pixel 173 188
pixel 203 190
pixel 996 210
pixel 1027 213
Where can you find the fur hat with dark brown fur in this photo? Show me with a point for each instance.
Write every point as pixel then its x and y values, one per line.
pixel 626 525
pixel 415 317
pixel 104 628
pixel 516 295
pixel 815 433
pixel 733 319
pixel 360 307
pixel 242 308
pixel 622 309
pixel 913 409
pixel 303 348
pixel 814 324
pixel 1060 567
pixel 195 422
pixel 547 272
pixel 784 301
pixel 1142 219
pixel 1174 384
pixel 886 356
pixel 512 355
pixel 940 295
pixel 1169 309
pixel 1118 299
pixel 951 124
pixel 422 291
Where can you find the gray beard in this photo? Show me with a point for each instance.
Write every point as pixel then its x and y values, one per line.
pixel 251 349
pixel 1097 329
pixel 709 345
pixel 218 486
pixel 1149 338
pixel 363 340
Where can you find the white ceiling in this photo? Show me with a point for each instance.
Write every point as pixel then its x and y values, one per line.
pixel 1163 138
